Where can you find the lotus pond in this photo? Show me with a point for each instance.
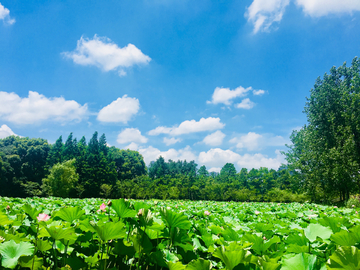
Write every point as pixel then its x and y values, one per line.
pixel 52 233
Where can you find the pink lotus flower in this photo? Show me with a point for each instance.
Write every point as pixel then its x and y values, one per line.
pixel 102 207
pixel 257 212
pixel 43 217
pixel 207 213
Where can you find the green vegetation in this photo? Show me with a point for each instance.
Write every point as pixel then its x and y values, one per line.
pixel 325 154
pixel 52 233
pixel 32 167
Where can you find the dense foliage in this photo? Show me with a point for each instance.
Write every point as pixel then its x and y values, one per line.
pixel 31 167
pixel 49 233
pixel 325 153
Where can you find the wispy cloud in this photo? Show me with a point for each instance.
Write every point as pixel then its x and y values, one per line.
pixel 5 15
pixel 264 13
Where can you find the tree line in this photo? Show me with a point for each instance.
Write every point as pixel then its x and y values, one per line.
pixel 33 167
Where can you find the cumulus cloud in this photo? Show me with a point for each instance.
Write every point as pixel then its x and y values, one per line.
pixel 151 154
pixel 253 141
pixel 245 104
pixel 317 8
pixel 132 146
pixel 259 160
pixel 264 13
pixel 214 139
pixel 120 110
pixel 106 55
pixel 5 15
pixel 249 141
pixel 5 131
pixel 170 141
pixel 131 135
pixel 217 158
pixel 190 126
pixel 225 95
pixel 37 108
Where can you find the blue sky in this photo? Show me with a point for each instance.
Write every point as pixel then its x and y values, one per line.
pixel 210 81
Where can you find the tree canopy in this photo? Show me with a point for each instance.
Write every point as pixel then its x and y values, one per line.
pixel 325 153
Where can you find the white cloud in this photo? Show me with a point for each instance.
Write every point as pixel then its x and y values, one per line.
pixel 259 160
pixel 214 169
pixel 132 146
pixel 225 95
pixel 37 108
pixel 151 154
pixel 190 126
pixel 170 141
pixel 120 110
pixel 5 131
pixel 258 92
pixel 131 135
pixel 217 158
pixel 214 139
pixel 317 8
pixel 263 13
pixel 253 141
pixel 5 15
pixel 245 104
pixel 106 55
pixel 249 141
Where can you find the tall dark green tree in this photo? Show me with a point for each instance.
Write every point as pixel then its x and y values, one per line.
pixel 326 152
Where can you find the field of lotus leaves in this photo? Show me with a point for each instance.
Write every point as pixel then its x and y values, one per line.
pixel 52 233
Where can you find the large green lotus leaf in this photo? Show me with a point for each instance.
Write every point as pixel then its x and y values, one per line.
pixel 70 214
pixel 297 239
pixel 43 245
pixel 232 255
pixel 199 264
pixel 4 220
pixel 31 262
pixel 110 230
pixel 269 264
pixel 58 232
pixel 293 248
pixel 122 208
pixel 333 222
pixel 32 212
pixel 230 235
pixel 259 245
pixel 302 261
pixel 141 242
pixel 175 220
pixel 18 237
pixel 356 233
pixel 344 238
pixel 11 252
pixel 345 258
pixel 316 230
pixel 176 266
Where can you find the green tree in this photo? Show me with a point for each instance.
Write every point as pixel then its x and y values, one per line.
pixel 326 151
pixel 61 180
